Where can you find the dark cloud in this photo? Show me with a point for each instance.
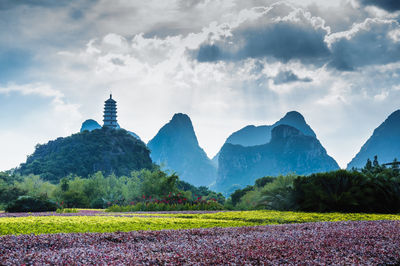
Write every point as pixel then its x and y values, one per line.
pixel 283 40
pixel 288 77
pixel 388 5
pixel 370 44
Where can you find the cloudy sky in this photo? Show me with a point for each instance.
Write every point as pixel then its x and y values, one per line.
pixel 225 63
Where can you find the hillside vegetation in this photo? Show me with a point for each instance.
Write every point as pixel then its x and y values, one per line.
pixel 83 154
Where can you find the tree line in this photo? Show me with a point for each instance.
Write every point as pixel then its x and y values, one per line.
pixel 374 189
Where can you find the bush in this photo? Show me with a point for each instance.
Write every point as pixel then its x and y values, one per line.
pixel 348 191
pixel 97 203
pixel 278 194
pixel 11 193
pixel 31 204
pixel 75 199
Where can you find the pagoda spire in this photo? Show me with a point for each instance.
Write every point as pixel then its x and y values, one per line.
pixel 110 113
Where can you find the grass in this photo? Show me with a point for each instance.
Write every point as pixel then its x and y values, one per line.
pixel 159 221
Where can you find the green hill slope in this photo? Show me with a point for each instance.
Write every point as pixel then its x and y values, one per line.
pixel 82 154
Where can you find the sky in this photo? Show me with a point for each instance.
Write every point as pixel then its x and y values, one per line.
pixel 225 63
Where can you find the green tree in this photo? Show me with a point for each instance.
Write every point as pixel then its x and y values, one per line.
pixel 35 186
pixel 278 194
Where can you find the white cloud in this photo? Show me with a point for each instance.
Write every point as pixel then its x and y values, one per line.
pixel 44 119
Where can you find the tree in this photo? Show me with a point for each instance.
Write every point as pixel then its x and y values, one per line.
pixel 368 166
pixel 395 164
pixel 64 183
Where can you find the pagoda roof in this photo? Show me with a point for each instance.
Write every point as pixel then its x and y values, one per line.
pixel 110 100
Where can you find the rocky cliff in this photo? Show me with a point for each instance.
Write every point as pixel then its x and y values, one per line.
pixel 289 151
pixel 175 147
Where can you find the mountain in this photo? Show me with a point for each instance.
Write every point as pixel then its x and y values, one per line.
pixel 384 142
pixel 107 150
pixel 252 135
pixel 289 151
pixel 176 148
pixel 256 135
pixel 90 125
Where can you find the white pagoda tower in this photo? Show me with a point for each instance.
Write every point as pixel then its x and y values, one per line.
pixel 110 113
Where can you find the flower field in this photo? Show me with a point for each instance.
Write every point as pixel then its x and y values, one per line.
pixel 351 242
pixel 101 222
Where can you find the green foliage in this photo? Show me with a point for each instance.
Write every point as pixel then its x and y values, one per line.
pixel 83 154
pixel 236 196
pixel 31 204
pixel 35 186
pixel 10 193
pixel 333 191
pixel 99 191
pixel 249 201
pixel 201 192
pixel 261 182
pixel 239 193
pixel 375 188
pixel 74 199
pixel 156 183
pixel 278 194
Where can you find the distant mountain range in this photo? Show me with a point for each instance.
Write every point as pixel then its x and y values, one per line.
pixel 175 147
pixel 287 146
pixel 384 142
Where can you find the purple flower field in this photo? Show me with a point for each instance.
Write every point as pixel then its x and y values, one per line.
pixel 362 242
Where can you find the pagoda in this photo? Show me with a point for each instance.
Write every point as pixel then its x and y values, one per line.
pixel 110 113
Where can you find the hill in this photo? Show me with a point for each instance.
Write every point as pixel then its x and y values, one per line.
pixel 82 154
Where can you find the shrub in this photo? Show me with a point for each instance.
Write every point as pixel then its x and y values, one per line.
pixel 75 199
pixel 31 204
pixel 333 191
pixel 278 194
pixel 97 203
